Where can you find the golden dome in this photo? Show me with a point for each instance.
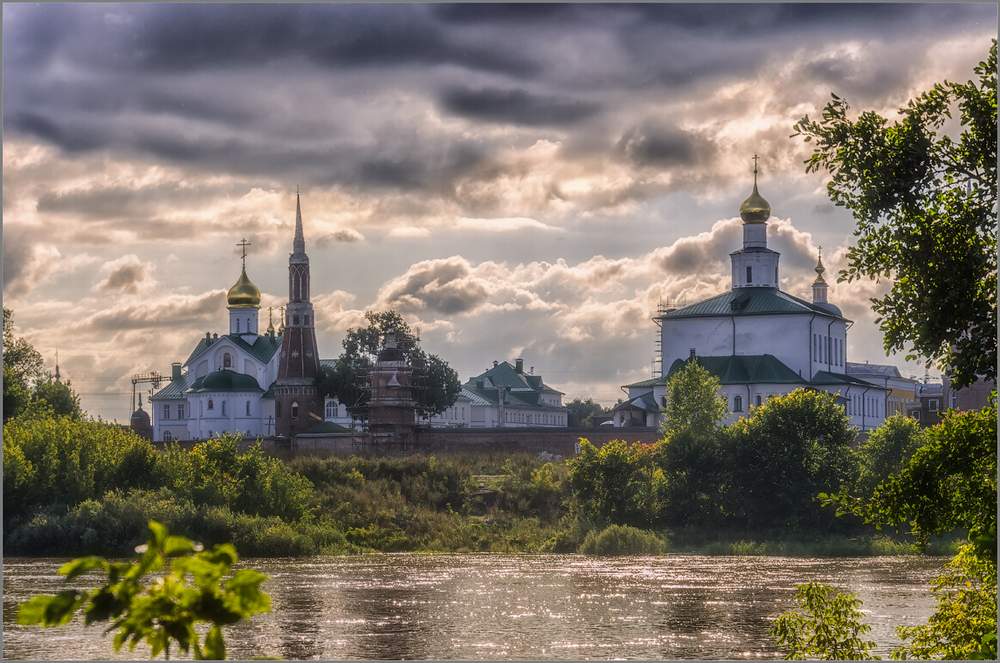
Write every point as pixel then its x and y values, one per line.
pixel 244 294
pixel 755 209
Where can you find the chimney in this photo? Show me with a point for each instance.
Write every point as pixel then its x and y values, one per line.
pixel 532 370
pixel 519 365
pixel 215 337
pixel 495 363
pixel 691 356
pixel 175 371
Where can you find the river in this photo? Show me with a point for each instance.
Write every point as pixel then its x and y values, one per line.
pixel 459 606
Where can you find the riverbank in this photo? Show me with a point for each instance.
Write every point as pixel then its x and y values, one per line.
pixel 339 506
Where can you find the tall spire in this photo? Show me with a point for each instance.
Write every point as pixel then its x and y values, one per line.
pixel 820 268
pixel 819 285
pixel 299 243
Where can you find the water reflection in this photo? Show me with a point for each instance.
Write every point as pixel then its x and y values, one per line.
pixel 508 607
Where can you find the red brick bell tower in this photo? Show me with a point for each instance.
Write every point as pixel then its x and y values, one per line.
pixel 298 405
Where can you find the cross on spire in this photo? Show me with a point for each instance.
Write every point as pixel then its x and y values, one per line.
pixel 243 244
pixel 755 169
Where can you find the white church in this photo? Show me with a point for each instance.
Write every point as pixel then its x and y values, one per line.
pixel 226 383
pixel 757 340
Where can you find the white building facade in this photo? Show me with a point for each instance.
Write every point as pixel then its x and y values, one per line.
pixel 758 340
pixel 224 385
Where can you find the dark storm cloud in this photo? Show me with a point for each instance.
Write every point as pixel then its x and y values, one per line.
pixel 126 275
pixel 516 106
pixel 121 202
pixel 186 37
pixel 172 313
pixel 442 286
pixel 344 95
pixel 658 144
pixel 344 235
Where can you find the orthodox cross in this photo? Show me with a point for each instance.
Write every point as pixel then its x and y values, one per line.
pixel 243 244
pixel 755 169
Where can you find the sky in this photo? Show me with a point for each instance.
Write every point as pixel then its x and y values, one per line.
pixel 518 181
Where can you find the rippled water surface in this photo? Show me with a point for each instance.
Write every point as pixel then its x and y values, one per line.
pixel 513 606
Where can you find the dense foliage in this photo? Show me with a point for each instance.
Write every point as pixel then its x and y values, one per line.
pixel 584 413
pixel 886 450
pixel 160 598
pixel 761 473
pixel 438 383
pixel 622 540
pixel 694 406
pixel 22 368
pixel 826 625
pixel 925 205
pixel 73 486
pixel 964 625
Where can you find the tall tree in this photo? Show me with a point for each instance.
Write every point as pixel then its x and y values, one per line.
pixel 438 382
pixel 59 396
pixel 22 368
pixel 925 205
pixel 694 405
pixel 581 413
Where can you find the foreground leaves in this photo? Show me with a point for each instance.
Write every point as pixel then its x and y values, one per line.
pixel 826 625
pixel 159 598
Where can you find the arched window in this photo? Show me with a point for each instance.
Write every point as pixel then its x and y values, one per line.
pixel 295 409
pixel 211 405
pixel 306 319
pixel 223 408
pixel 331 410
pixel 749 274
pixel 277 409
pixel 227 360
pixel 775 275
pixel 295 320
pixel 237 325
pixel 758 399
pixel 737 403
pixel 167 436
pixel 248 408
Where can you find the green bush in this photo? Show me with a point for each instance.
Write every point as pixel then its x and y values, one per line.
pixel 622 540
pixel 826 625
pixel 64 461
pixel 618 483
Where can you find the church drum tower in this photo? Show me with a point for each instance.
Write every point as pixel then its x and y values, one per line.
pixel 298 404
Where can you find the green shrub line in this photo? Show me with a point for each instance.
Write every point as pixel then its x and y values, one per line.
pixel 75 487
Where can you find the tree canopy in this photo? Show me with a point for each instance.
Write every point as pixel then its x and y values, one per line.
pixel 22 368
pixel 582 412
pixel 925 204
pixel 438 382
pixel 693 401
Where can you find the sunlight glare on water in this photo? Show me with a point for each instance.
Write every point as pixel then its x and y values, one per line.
pixel 515 606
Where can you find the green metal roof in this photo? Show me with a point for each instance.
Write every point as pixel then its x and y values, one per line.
pixel 751 301
pixel 756 369
pixel 826 378
pixel 644 402
pixel 743 369
pixel 525 389
pixel 263 347
pixel 173 391
pixel 224 380
pixel 327 427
